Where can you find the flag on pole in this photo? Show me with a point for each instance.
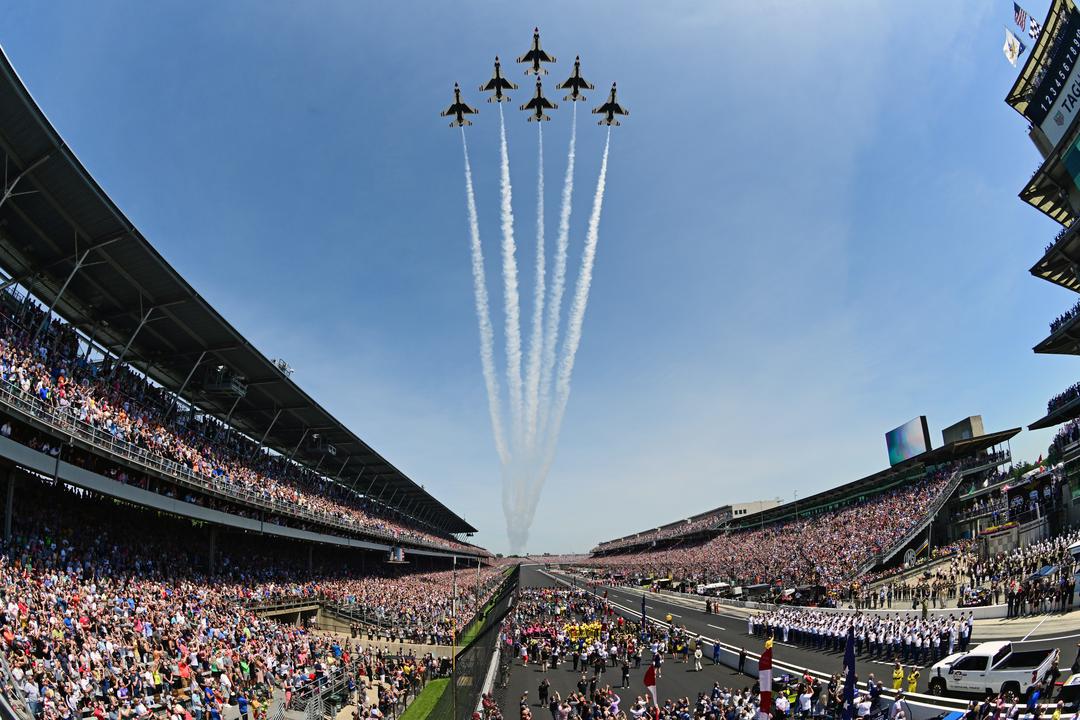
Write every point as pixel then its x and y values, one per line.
pixel 849 676
pixel 1034 28
pixel 1020 16
pixel 650 682
pixel 1013 47
pixel 765 682
pixel 643 618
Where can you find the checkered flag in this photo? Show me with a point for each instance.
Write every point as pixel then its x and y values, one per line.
pixel 1034 28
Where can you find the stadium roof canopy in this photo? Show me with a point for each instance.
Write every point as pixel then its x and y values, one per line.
pixel 1064 413
pixel 1048 189
pixel 1061 262
pixel 77 252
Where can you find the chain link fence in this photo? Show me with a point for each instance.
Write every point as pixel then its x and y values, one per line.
pixel 472 662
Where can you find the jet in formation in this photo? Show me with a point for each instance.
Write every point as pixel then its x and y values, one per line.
pixel 610 109
pixel 575 83
pixel 497 84
pixel 539 104
pixel 535 56
pixel 459 110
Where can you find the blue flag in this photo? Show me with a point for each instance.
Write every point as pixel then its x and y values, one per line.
pixel 849 676
pixel 643 611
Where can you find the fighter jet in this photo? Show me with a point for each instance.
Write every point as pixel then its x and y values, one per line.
pixel 610 109
pixel 538 105
pixel 575 83
pixel 535 56
pixel 497 84
pixel 459 110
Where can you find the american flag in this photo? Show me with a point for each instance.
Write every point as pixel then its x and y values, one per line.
pixel 1034 28
pixel 1020 16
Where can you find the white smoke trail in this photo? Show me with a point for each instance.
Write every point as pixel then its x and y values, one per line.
pixel 558 283
pixel 510 290
pixel 574 323
pixel 532 367
pixel 483 316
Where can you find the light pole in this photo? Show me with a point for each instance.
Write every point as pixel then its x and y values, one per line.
pixel 796 505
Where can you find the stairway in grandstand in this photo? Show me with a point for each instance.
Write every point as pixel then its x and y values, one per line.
pixel 928 517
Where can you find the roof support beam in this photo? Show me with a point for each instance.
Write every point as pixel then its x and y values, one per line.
pixel 48 314
pixel 352 485
pixel 139 327
pixel 15 280
pixel 371 485
pixel 228 418
pixel 342 468
pixel 263 439
pixel 80 262
pixel 9 187
pixel 298 442
pixel 183 386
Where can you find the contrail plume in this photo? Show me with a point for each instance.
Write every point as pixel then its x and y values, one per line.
pixel 558 283
pixel 532 368
pixel 574 323
pixel 512 312
pixel 483 316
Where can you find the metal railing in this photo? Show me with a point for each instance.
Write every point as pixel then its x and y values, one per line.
pixel 31 406
pixel 12 699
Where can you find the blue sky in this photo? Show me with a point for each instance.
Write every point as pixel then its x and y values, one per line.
pixel 810 235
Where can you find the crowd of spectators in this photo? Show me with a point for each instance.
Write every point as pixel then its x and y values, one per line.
pixel 677 529
pixel 1062 398
pixel 716 518
pixel 105 611
pixel 1064 317
pixel 1019 503
pixel 50 369
pixel 1066 435
pixel 825 549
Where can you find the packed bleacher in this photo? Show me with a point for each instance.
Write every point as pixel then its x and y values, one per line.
pixel 715 519
pixel 50 370
pixel 824 549
pixel 1064 318
pixel 1062 398
pixel 108 611
pixel 687 527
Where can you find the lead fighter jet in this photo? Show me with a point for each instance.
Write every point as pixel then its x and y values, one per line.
pixel 610 109
pixel 459 110
pixel 536 56
pixel 575 83
pixel 538 104
pixel 497 84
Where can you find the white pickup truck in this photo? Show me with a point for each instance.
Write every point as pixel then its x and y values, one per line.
pixel 991 667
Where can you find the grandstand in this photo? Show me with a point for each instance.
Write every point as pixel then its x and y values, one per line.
pixel 833 537
pixel 186 532
pixel 122 369
pixel 696 526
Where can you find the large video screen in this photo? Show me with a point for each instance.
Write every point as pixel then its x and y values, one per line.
pixel 910 439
